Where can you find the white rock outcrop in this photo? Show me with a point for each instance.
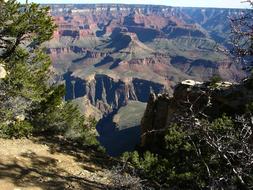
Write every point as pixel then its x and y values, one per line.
pixel 191 82
pixel 3 72
pixel 224 84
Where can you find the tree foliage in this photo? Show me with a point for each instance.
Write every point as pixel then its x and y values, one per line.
pixel 30 101
pixel 209 155
pixel 23 28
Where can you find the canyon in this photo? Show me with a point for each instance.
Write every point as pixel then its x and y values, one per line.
pixel 112 57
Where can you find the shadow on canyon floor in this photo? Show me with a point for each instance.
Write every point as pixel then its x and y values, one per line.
pixel 114 140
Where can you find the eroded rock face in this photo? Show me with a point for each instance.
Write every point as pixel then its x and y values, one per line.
pixel 155 116
pixel 170 43
pixel 108 94
pixel 129 51
pixel 218 98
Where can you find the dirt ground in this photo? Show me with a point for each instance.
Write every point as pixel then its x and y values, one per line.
pixel 41 163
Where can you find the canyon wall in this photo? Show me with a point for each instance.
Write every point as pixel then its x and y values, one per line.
pixel 107 94
pixel 110 54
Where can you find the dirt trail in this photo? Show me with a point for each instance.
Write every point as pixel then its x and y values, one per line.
pixel 39 164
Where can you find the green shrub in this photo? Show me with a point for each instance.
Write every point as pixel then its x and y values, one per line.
pixel 85 134
pixel 18 129
pixel 3 129
pixel 197 156
pixel 215 79
pixel 222 125
pixel 174 165
pixel 148 164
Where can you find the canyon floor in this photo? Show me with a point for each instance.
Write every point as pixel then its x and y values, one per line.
pixel 40 163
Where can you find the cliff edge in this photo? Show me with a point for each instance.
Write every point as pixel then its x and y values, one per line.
pixel 211 99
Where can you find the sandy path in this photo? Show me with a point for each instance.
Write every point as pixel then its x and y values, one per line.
pixel 40 164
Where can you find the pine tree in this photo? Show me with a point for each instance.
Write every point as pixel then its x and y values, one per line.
pixel 23 29
pixel 29 100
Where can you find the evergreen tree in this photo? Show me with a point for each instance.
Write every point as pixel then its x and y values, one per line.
pixel 23 29
pixel 29 100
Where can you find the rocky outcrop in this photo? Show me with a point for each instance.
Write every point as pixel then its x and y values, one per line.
pixel 87 109
pixel 213 99
pixel 108 94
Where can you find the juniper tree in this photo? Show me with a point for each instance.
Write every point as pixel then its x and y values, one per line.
pixel 23 29
pixel 27 95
